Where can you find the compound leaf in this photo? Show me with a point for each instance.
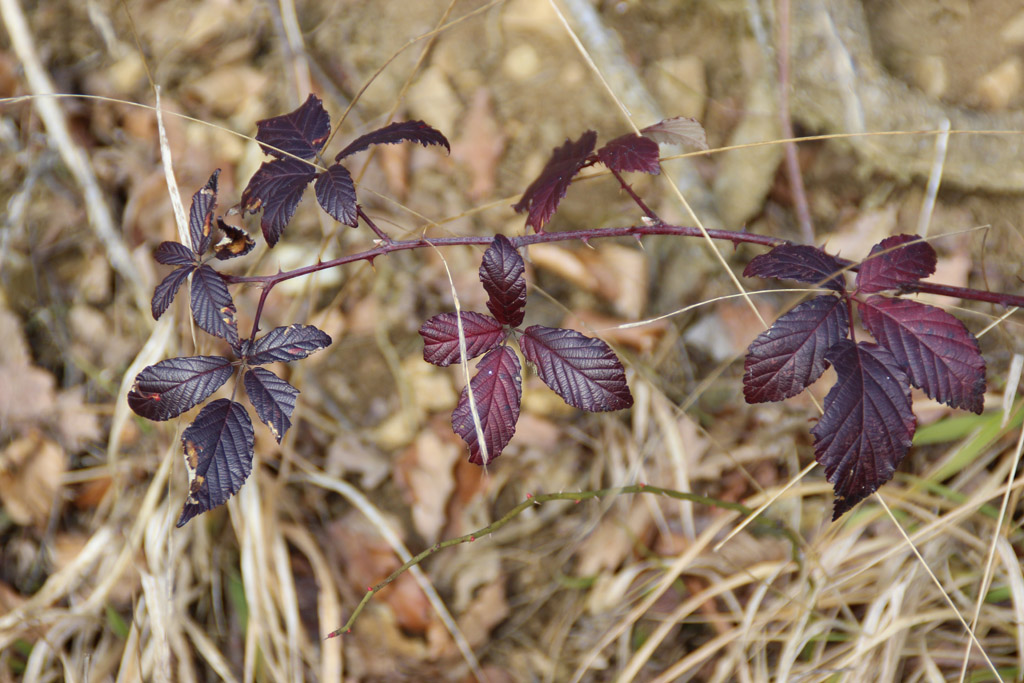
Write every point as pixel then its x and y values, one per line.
pixel 273 398
pixel 891 266
pixel 497 392
pixel 798 262
pixel 584 371
pixel 236 242
pixel 867 426
pixel 174 254
pixel 277 187
pixel 337 194
pixel 938 353
pixel 789 356
pixel 501 272
pixel 218 449
pixel 543 195
pixel 200 215
pixel 631 152
pixel 165 292
pixel 287 344
pixel 441 336
pixel 680 130
pixel 302 132
pixel 212 307
pixel 400 131
pixel 175 385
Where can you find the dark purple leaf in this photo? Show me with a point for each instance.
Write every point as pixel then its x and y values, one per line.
pixel 936 350
pixel 277 188
pixel 497 392
pixel 400 131
pixel 441 336
pixel 801 263
pixel 789 356
pixel 631 153
pixel 212 307
pixel 891 266
pixel 218 456
pixel 302 132
pixel 236 242
pixel 867 427
pixel 273 398
pixel 680 130
pixel 165 292
pixel 584 371
pixel 337 194
pixel 501 272
pixel 174 254
pixel 175 385
pixel 200 215
pixel 543 195
pixel 287 344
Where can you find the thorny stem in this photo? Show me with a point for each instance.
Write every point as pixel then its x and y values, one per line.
pixel 384 237
pixel 636 199
pixel 575 496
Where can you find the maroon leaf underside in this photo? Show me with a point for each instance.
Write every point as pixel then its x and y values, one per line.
pixel 679 130
pixel 276 188
pixel 212 307
pixel 200 216
pixel 891 266
pixel 336 194
pixel 798 262
pixel 286 344
pixel 441 336
pixel 273 398
pixel 868 425
pixel 174 254
pixel 631 153
pixel 937 351
pixel 501 272
pixel 218 448
pixel 543 195
pixel 497 392
pixel 401 131
pixel 789 356
pixel 164 293
pixel 584 371
pixel 173 386
pixel 302 132
pixel 236 242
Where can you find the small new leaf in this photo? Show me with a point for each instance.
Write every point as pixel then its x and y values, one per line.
pixel 798 262
pixel 497 392
pixel 337 194
pixel 273 398
pixel 441 336
pixel 302 132
pixel 165 292
pixel 584 371
pixel 287 344
pixel 501 272
pixel 236 242
pixel 680 130
pixel 175 385
pixel 789 356
pixel 892 266
pixel 938 353
pixel 401 131
pixel 868 425
pixel 631 153
pixel 543 195
pixel 218 455
pixel 212 307
pixel 174 254
pixel 276 188
pixel 200 215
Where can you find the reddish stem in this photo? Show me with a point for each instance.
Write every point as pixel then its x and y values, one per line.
pixel 636 199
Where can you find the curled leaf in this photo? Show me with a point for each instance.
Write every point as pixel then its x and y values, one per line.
pixel 543 195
